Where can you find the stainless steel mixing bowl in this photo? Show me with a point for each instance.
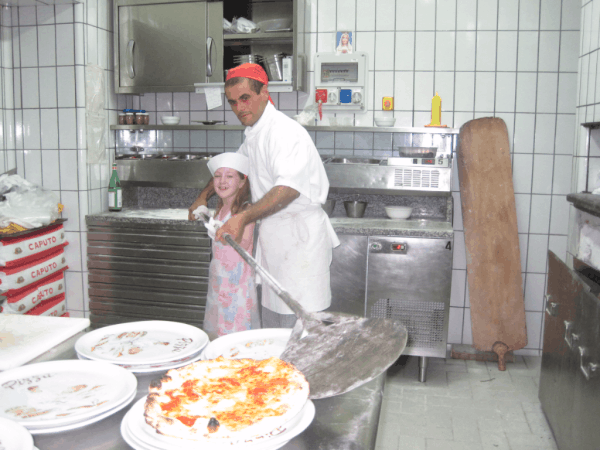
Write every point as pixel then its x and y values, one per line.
pixel 328 206
pixel 355 209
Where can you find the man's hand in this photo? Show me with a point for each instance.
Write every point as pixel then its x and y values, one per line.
pixel 202 199
pixel 234 226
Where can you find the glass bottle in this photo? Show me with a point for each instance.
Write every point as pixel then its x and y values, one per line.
pixel 115 195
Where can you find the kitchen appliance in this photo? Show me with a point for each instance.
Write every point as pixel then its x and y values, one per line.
pixel 409 279
pixel 341 81
pixel 422 170
pixel 320 348
pixel 570 374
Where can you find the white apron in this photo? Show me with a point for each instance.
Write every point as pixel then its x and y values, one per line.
pixel 295 247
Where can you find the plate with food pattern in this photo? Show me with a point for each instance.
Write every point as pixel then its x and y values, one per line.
pixel 58 393
pixel 158 367
pixel 256 344
pixel 145 342
pixel 84 423
pixel 14 436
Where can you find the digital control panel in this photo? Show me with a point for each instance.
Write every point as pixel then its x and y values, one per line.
pixel 340 81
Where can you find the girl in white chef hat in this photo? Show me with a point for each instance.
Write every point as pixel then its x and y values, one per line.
pixel 231 303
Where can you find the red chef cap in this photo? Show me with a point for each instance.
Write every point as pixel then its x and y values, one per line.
pixel 251 71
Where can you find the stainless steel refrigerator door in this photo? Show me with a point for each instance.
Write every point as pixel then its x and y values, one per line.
pixel 410 279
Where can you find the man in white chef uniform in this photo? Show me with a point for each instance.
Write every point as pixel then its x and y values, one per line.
pixel 288 184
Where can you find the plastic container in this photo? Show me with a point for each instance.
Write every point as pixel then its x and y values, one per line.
pixel 122 120
pixel 129 119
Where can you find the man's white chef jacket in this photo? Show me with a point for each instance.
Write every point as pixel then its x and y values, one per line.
pixel 295 244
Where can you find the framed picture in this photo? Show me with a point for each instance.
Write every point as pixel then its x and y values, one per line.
pixel 343 42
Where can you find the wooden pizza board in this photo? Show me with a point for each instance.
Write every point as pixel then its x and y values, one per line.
pixel 491 237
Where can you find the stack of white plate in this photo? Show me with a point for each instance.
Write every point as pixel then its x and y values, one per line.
pixel 14 436
pixel 144 347
pixel 255 344
pixel 56 396
pixel 141 436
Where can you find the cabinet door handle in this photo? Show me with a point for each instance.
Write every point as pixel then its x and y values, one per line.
pixel 551 307
pixel 209 46
pixel 570 337
pixel 590 369
pixel 130 70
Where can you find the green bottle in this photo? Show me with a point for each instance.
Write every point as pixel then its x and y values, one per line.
pixel 115 195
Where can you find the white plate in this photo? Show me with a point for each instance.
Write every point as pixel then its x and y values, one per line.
pixel 136 425
pixel 256 344
pixel 84 423
pixel 160 367
pixel 146 342
pixel 139 445
pixel 14 436
pixel 58 393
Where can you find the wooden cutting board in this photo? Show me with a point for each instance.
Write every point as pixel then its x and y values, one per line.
pixel 491 237
pixel 23 338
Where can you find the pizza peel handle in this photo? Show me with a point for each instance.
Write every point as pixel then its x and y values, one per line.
pixel 336 352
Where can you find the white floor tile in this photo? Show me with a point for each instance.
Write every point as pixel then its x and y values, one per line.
pixel 464 405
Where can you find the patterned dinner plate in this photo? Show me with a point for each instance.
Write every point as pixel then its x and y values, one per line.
pixel 158 367
pixel 136 425
pixel 14 436
pixel 256 344
pixel 58 393
pixel 146 342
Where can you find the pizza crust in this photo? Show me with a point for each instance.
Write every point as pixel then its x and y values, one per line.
pixel 226 399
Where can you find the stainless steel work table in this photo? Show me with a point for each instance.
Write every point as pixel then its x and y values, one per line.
pixel 345 422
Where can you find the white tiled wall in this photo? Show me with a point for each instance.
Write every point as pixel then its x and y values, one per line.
pixel 586 167
pixel 45 50
pixel 512 59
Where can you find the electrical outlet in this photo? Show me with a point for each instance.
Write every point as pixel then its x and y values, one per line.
pixel 321 95
pixel 387 103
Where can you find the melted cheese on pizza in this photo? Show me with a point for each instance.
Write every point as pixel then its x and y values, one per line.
pixel 223 397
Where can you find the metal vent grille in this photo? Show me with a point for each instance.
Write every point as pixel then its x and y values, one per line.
pixel 424 321
pixel 417 178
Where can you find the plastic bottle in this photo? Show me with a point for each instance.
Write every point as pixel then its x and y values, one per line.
pixel 115 195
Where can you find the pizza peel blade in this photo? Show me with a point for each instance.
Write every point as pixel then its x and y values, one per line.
pixel 336 352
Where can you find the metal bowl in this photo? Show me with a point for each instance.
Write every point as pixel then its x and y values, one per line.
pixel 355 209
pixel 328 206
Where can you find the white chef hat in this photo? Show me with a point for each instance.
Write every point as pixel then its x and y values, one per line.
pixel 235 161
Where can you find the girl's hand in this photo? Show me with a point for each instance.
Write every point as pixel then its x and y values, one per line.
pixel 234 226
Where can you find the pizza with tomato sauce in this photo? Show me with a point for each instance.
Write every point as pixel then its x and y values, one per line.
pixel 226 399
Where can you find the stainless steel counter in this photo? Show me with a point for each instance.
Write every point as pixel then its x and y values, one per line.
pixel 345 422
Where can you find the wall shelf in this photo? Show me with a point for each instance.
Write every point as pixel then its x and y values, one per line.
pixel 423 130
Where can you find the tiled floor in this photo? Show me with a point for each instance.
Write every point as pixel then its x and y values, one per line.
pixel 464 405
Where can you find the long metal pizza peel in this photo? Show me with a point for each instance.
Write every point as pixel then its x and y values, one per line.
pixel 336 352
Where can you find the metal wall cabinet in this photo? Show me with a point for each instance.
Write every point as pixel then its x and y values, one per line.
pixel 170 45
pixel 146 271
pixel 570 375
pixel 167 46
pixel 269 43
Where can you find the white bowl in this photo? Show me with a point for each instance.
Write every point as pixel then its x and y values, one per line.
pixel 385 121
pixel 398 212
pixel 170 120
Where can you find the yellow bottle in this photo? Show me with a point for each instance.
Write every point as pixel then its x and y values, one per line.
pixel 436 111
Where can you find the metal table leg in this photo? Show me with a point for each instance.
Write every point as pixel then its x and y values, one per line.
pixel 422 368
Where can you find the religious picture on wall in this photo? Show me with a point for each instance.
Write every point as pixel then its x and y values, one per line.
pixel 343 42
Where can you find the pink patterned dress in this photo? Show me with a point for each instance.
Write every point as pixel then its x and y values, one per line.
pixel 231 303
